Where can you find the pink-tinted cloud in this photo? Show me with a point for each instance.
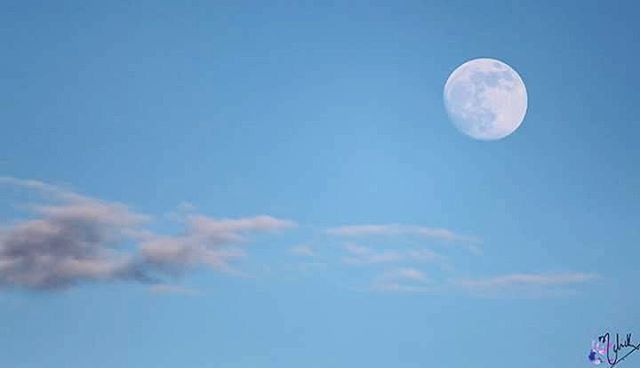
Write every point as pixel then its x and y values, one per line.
pixel 71 239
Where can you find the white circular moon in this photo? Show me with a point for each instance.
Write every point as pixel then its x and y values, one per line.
pixel 485 99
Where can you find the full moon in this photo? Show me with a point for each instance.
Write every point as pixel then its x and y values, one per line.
pixel 485 99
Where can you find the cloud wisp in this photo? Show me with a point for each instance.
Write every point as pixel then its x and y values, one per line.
pixel 71 239
pixel 206 241
pixel 404 280
pixel 303 250
pixel 394 269
pixel 529 284
pixel 361 255
pixel 399 230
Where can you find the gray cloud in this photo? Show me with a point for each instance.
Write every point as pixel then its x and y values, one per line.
pixel 73 238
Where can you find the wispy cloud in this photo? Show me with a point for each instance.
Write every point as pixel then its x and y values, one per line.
pixel 45 188
pixel 303 250
pixel 397 230
pixel 73 238
pixel 405 279
pixel 206 241
pixel 533 284
pixel 361 255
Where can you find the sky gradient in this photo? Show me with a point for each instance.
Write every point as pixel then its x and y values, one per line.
pixel 276 184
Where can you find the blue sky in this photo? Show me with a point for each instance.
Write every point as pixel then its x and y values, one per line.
pixel 276 184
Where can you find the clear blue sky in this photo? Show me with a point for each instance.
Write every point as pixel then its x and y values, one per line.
pixel 325 115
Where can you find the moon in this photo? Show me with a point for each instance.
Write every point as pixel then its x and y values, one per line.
pixel 485 99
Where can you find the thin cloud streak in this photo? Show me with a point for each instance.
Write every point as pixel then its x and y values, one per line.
pixel 399 230
pixel 403 280
pixel 303 250
pixel 525 283
pixel 361 255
